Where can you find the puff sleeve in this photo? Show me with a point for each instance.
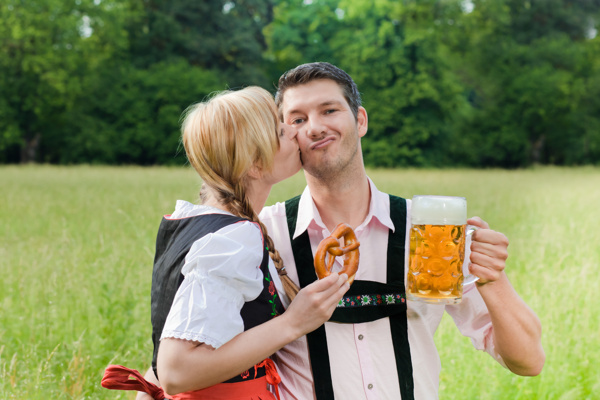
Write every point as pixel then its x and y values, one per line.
pixel 222 272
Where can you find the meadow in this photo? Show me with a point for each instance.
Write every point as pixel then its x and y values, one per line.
pixel 77 245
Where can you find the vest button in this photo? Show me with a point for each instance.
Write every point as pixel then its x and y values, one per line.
pixel 370 386
pixel 360 337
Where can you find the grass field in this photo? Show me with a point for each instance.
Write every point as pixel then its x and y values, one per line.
pixel 77 244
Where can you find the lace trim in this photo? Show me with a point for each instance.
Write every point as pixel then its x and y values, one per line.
pixel 191 336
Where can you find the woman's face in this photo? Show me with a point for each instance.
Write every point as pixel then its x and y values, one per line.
pixel 287 159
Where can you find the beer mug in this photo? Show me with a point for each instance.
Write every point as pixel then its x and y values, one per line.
pixel 438 235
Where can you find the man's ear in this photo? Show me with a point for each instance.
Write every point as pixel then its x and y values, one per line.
pixel 362 121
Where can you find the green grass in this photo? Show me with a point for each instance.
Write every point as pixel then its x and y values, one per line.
pixel 77 244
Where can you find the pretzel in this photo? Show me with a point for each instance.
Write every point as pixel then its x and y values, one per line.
pixel 330 248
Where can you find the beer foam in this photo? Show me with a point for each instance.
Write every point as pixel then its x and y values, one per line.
pixel 438 210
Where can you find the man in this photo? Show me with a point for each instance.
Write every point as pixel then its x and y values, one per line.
pixel 387 353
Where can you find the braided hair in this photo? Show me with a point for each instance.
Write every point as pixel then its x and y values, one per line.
pixel 224 137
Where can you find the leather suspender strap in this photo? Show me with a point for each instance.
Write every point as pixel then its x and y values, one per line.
pixel 395 273
pixel 365 301
pixel 317 339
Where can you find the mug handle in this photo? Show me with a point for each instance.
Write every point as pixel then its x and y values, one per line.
pixel 469 278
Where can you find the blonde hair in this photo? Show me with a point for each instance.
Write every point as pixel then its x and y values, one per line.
pixel 224 137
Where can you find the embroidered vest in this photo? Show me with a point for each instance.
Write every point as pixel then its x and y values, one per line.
pixel 174 240
pixel 365 301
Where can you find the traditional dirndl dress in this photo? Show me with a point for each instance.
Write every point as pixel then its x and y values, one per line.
pixel 211 281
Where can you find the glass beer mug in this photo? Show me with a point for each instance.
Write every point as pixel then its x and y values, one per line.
pixel 438 236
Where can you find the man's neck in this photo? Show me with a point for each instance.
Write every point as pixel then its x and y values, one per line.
pixel 341 200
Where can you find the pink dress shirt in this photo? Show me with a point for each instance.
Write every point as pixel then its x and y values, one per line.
pixel 361 355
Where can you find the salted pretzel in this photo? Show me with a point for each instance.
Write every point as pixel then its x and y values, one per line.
pixel 330 248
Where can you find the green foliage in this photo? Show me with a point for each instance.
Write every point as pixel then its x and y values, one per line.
pixel 106 81
pixel 39 49
pixel 527 70
pixel 301 32
pixel 412 94
pixel 508 83
pixel 504 83
pixel 217 35
pixel 140 111
pixel 391 50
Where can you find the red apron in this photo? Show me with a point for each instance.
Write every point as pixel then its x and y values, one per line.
pixel 121 378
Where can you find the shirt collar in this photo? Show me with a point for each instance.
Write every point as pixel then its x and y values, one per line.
pixel 308 214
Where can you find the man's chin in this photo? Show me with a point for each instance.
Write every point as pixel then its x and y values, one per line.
pixel 321 171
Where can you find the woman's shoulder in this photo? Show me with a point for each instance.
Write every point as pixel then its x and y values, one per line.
pixel 232 250
pixel 185 209
pixel 276 210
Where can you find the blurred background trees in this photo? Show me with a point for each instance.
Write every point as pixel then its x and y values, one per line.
pixel 503 83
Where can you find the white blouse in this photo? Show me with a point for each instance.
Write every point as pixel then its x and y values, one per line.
pixel 222 272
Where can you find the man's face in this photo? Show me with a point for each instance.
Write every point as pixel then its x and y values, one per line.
pixel 328 132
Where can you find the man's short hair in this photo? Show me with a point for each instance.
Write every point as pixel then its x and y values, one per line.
pixel 306 73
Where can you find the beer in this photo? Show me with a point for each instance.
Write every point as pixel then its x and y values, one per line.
pixel 437 249
pixel 436 259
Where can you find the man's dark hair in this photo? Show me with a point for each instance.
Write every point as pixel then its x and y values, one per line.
pixel 306 73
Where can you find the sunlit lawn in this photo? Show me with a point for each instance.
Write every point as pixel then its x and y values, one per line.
pixel 77 244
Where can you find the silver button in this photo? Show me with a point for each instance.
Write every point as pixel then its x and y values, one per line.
pixel 360 337
pixel 370 386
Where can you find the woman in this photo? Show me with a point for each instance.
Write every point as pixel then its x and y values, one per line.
pixel 217 328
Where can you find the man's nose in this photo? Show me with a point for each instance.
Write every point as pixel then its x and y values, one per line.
pixel 315 127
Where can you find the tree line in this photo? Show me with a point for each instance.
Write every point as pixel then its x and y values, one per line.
pixel 480 83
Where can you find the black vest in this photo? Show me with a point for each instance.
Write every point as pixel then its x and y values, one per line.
pixel 365 301
pixel 174 240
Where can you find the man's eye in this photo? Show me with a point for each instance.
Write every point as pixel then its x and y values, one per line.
pixel 330 111
pixel 297 121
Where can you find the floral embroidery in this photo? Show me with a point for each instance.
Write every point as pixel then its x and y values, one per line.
pixel 272 288
pixel 273 294
pixel 245 374
pixel 372 300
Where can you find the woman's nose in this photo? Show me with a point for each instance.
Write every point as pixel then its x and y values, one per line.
pixel 290 131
